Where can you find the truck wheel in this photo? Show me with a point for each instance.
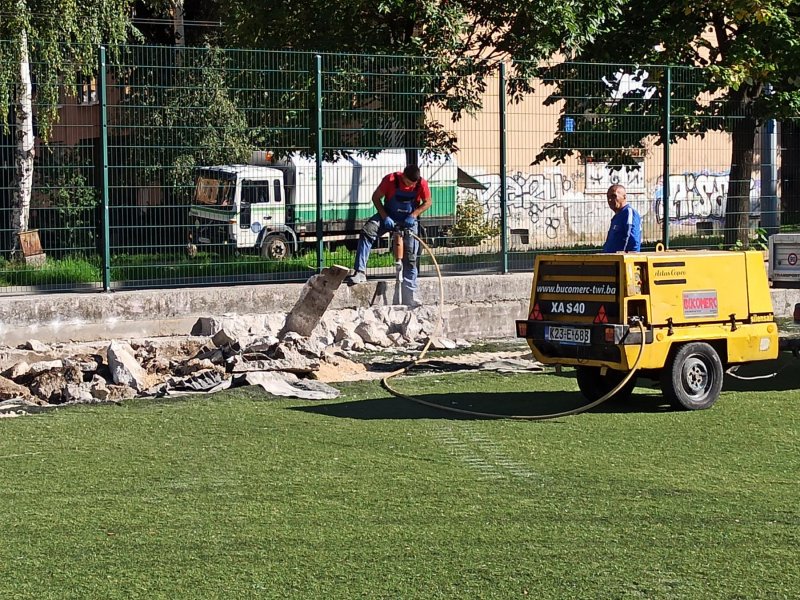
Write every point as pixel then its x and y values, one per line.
pixel 594 386
pixel 275 247
pixel 692 379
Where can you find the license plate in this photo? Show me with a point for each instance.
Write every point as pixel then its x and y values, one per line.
pixel 568 335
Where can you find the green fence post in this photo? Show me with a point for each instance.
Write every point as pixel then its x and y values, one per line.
pixel 318 81
pixel 667 129
pixel 503 161
pixel 103 102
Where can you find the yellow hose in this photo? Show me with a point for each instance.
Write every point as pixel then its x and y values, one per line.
pixel 421 358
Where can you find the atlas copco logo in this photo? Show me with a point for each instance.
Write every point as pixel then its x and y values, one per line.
pixel 700 303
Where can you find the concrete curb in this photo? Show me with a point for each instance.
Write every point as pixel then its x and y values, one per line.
pixel 477 306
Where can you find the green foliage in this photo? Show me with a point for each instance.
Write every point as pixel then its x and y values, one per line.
pixel 458 46
pixel 182 118
pixel 758 241
pixel 732 49
pixel 471 226
pixel 62 39
pixel 64 208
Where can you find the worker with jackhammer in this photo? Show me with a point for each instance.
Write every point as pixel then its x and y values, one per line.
pixel 399 199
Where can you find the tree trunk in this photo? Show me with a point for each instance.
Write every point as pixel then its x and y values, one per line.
pixel 24 154
pixel 737 211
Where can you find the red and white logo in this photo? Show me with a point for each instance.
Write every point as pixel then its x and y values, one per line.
pixel 700 303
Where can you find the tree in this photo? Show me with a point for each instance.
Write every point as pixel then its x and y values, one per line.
pixel 740 47
pixel 51 43
pixel 456 45
pixel 184 119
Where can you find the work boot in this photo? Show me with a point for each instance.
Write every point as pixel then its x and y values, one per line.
pixel 357 277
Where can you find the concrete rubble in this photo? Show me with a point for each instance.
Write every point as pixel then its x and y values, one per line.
pixel 229 351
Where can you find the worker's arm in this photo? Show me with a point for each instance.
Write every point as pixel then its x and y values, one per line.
pixel 425 201
pixel 425 205
pixel 628 228
pixel 377 200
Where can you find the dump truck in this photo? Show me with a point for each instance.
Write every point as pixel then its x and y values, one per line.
pixel 270 204
pixel 680 317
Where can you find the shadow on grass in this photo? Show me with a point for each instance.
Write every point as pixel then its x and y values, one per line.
pixel 786 367
pixel 501 403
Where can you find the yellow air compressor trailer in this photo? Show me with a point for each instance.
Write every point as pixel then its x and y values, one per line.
pixel 699 312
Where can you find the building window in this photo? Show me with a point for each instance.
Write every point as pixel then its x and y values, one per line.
pixel 87 90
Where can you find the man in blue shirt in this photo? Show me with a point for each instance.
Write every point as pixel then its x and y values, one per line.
pixel 625 232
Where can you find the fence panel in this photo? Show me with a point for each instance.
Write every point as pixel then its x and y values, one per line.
pixel 213 170
pixel 64 198
pixel 582 128
pixel 180 120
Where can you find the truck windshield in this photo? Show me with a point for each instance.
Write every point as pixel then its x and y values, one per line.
pixel 213 191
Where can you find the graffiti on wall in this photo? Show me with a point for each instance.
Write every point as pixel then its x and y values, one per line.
pixel 560 206
pixel 554 206
pixel 700 196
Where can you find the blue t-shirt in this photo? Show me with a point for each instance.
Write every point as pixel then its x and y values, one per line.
pixel 625 232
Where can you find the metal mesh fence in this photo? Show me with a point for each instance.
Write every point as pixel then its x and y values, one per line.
pixel 195 166
pixel 62 216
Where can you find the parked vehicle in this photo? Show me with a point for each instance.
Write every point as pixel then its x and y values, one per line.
pixel 270 205
pixel 700 312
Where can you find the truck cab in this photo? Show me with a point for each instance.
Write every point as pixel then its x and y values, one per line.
pixel 242 206
pixel 699 312
pixel 271 204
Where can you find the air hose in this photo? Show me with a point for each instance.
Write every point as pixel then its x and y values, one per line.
pixel 421 359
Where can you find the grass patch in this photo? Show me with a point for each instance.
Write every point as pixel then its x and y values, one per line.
pixel 133 267
pixel 241 495
pixel 52 272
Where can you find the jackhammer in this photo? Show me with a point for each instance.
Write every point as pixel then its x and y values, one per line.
pixel 399 250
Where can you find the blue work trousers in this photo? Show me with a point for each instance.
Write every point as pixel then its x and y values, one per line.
pixel 372 230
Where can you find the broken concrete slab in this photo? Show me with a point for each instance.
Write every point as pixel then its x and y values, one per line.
pixel 315 297
pixel 18 371
pixel 42 366
pixel 439 343
pixel 290 365
pixel 86 364
pixel 10 390
pixel 374 333
pixel 240 325
pixel 36 346
pixel 125 370
pixel 77 393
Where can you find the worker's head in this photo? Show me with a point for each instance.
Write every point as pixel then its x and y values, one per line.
pixel 616 197
pixel 411 174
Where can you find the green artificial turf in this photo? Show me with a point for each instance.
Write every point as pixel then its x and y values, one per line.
pixel 242 495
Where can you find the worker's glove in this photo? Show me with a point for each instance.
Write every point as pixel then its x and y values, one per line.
pixel 409 222
pixel 388 223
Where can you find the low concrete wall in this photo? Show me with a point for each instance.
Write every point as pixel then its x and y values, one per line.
pixel 480 306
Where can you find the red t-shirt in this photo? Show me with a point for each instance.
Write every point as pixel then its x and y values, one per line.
pixel 388 187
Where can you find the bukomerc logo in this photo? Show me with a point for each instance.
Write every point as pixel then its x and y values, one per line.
pixel 702 303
